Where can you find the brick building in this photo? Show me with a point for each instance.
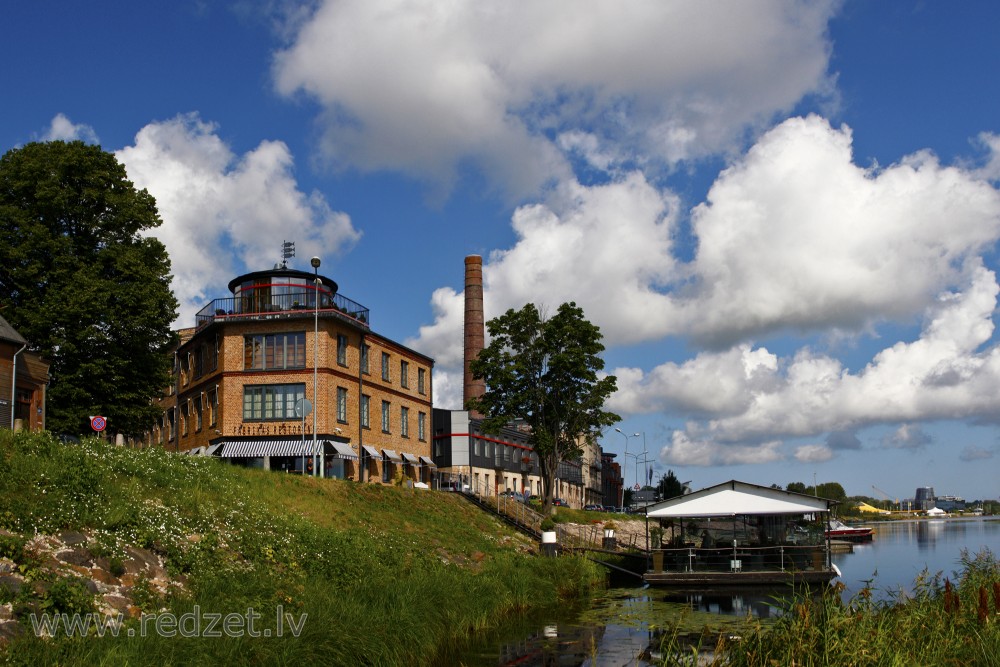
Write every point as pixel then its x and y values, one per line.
pixel 24 377
pixel 246 375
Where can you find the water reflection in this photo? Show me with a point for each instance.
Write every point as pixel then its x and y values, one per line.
pixel 758 604
pixel 624 627
pixel 559 644
pixel 902 550
pixel 928 533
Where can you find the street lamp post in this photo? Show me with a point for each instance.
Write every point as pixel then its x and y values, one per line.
pixel 645 476
pixel 624 467
pixel 315 261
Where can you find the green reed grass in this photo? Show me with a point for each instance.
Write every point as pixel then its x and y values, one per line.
pixel 947 621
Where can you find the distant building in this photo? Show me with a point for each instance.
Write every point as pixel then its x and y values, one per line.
pixel 950 503
pixel 24 377
pixel 591 468
pixel 611 480
pixel 488 464
pixel 923 499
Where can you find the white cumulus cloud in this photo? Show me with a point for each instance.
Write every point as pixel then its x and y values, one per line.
pixel 420 86
pixel 686 451
pixel 63 129
pixel 796 236
pixel 211 198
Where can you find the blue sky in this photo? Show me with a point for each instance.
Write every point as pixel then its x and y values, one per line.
pixel 783 215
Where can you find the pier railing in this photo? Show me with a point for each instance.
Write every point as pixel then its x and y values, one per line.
pixel 741 558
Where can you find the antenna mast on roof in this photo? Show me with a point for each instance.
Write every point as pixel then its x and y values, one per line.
pixel 287 251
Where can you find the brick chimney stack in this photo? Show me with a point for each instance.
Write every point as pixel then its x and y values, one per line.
pixel 475 331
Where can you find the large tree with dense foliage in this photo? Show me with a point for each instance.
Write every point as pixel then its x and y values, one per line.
pixel 546 372
pixel 82 280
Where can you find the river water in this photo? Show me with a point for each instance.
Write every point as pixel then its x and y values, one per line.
pixel 621 626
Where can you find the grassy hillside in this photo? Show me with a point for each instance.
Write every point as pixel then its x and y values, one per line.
pixel 385 575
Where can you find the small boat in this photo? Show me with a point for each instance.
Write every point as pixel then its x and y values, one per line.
pixel 841 531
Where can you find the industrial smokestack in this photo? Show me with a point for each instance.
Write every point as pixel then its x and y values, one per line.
pixel 475 332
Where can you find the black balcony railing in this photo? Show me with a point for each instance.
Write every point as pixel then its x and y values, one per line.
pixel 290 304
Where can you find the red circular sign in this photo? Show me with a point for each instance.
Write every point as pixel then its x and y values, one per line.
pixel 636 487
pixel 98 423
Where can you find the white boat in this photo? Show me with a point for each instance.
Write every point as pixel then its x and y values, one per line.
pixel 839 530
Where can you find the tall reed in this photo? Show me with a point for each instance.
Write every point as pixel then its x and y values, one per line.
pixel 940 624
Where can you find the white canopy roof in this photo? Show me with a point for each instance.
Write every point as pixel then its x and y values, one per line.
pixel 734 498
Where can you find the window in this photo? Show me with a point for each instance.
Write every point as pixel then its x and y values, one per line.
pixel 341 405
pixel 171 424
pixel 421 379
pixel 404 374
pixel 212 355
pixel 184 419
pixel 385 416
pixel 385 366
pixel 197 412
pixel 265 352
pixel 199 361
pixel 421 426
pixel 342 349
pixel 364 358
pixel 264 402
pixel 213 407
pixel 22 406
pixel 404 422
pixel 365 411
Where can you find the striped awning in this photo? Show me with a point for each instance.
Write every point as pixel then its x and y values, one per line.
pixel 213 450
pixel 410 458
pixel 371 452
pixel 426 460
pixel 341 450
pixel 392 456
pixel 251 449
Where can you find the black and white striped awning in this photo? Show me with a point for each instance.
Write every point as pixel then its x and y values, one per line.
pixel 340 450
pixel 257 448
pixel 392 456
pixel 371 452
pixel 428 462
pixel 410 458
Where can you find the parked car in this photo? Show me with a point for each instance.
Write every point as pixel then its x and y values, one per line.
pixel 610 508
pixel 559 502
pixel 594 508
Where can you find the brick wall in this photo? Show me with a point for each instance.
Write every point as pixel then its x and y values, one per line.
pixel 230 378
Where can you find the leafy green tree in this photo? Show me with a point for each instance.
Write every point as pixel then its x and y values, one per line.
pixel 797 487
pixel 832 491
pixel 669 486
pixel 85 284
pixel 546 372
